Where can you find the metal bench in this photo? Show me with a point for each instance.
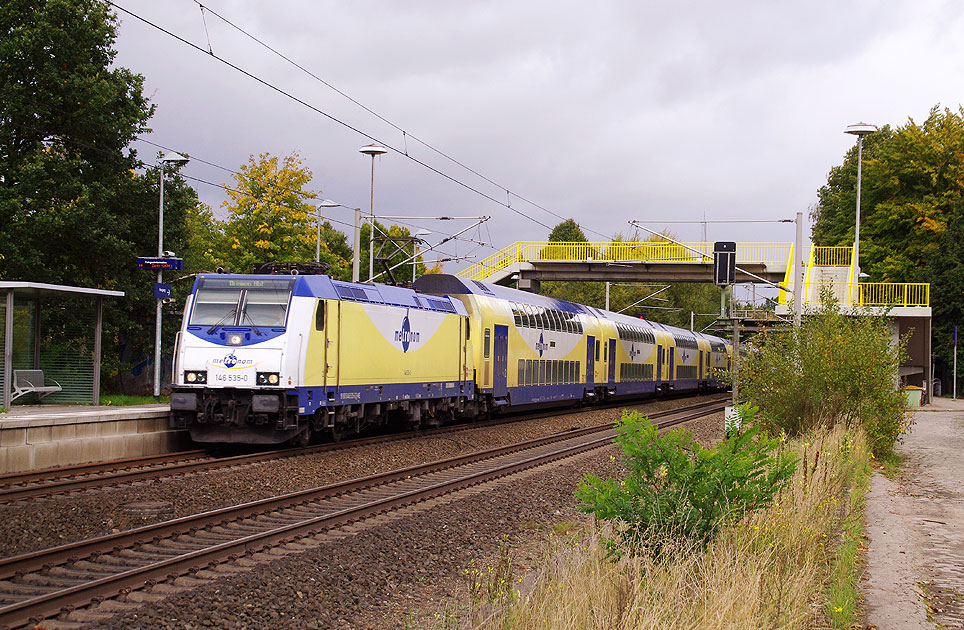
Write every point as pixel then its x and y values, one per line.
pixel 32 381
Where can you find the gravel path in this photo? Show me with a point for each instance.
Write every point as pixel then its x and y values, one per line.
pixel 915 528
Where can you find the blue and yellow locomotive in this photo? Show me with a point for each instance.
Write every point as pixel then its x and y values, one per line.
pixel 271 359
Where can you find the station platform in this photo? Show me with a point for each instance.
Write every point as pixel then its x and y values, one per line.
pixel 35 437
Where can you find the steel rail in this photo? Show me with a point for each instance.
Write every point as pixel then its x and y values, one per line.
pixel 51 603
pixel 35 608
pixel 154 466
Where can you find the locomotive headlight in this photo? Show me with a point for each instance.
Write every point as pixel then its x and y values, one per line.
pixel 235 339
pixel 195 377
pixel 268 378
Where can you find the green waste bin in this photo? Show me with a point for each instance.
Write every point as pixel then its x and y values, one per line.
pixel 913 394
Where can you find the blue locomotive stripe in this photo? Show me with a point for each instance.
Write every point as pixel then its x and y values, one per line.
pixel 310 399
pixel 249 336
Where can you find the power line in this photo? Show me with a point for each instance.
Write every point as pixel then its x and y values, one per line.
pixel 329 116
pixel 405 133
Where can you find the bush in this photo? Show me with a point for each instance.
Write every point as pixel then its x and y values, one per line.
pixel 833 368
pixel 679 494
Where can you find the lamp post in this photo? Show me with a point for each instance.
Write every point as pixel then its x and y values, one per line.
pixel 415 240
pixel 327 203
pixel 168 158
pixel 860 130
pixel 372 150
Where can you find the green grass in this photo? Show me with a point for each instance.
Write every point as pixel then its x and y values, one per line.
pixel 843 597
pixel 125 400
pixel 890 464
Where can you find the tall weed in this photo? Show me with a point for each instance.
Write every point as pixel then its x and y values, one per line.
pixel 678 494
pixel 833 368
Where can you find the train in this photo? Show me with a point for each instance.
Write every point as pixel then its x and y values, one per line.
pixel 271 359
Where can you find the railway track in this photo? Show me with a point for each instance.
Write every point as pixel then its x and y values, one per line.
pixel 37 484
pixel 45 583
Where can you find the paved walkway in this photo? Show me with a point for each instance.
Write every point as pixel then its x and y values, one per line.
pixel 915 528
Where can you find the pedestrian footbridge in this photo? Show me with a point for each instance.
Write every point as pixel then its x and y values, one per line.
pixel 826 271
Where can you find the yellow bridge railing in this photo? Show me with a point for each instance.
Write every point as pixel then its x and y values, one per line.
pixel 867 294
pixel 648 251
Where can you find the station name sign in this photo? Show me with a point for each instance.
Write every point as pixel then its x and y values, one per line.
pixel 174 264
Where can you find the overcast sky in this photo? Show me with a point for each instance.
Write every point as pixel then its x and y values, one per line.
pixel 604 112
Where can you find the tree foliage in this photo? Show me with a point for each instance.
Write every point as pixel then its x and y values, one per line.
pixel 73 209
pixel 911 210
pixel 912 181
pixel 269 214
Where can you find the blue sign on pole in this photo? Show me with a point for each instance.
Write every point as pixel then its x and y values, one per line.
pixel 173 264
pixel 162 291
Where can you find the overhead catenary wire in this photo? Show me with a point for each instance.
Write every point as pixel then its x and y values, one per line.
pixel 224 187
pixel 195 158
pixel 321 112
pixel 405 133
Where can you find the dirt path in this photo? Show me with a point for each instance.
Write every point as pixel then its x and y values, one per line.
pixel 915 527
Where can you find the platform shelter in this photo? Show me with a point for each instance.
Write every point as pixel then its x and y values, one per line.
pixel 74 362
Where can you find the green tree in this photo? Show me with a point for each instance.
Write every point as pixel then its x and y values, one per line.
pixel 269 217
pixel 73 209
pixel 913 178
pixel 66 176
pixel 567 232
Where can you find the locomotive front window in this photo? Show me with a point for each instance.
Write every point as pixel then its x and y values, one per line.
pixel 215 306
pixel 265 307
pixel 241 302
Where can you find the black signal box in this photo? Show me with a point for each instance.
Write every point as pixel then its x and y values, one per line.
pixel 724 262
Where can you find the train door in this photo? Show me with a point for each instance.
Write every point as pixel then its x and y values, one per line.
pixel 659 366
pixel 500 365
pixel 701 365
pixel 612 361
pixel 332 344
pixel 672 364
pixel 590 361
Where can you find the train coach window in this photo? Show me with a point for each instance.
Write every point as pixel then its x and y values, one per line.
pixel 597 349
pixel 522 371
pixel 528 371
pixel 486 343
pixel 320 316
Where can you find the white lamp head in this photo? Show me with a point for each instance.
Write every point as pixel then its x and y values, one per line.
pixel 860 129
pixel 172 157
pixel 373 150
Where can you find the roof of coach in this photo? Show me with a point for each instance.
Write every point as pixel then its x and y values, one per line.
pixel 444 284
pixel 326 288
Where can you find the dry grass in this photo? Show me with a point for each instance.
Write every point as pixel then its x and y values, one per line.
pixel 771 570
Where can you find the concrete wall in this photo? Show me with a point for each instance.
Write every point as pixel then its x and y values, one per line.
pixel 39 443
